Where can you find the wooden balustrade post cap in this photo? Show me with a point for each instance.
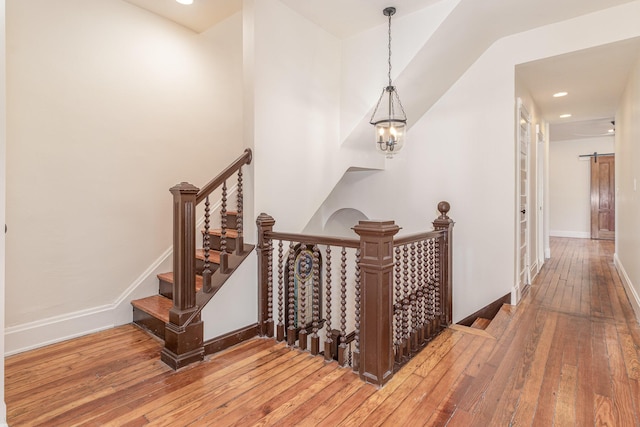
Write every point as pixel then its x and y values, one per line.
pixel 265 220
pixel 443 221
pixel 443 208
pixel 382 228
pixel 184 188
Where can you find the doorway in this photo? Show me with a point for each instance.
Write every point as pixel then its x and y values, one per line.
pixel 603 197
pixel 522 235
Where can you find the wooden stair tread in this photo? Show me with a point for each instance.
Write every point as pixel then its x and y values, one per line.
pixel 472 331
pixel 232 233
pixel 168 277
pixel 156 305
pixel 480 323
pixel 501 320
pixel 214 256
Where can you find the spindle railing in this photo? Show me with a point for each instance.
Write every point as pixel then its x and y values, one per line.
pixel 184 332
pixel 374 310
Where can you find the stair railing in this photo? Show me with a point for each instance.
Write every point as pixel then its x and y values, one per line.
pixel 365 316
pixel 184 332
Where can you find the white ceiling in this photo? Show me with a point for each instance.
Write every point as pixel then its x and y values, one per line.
pixel 339 17
pixel 199 16
pixel 594 78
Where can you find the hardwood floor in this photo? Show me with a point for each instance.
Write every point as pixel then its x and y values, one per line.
pixel 568 355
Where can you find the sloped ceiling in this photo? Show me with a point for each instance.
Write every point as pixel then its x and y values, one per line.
pixel 199 16
pixel 594 78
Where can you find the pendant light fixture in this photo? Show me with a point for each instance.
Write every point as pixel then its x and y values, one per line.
pixel 389 118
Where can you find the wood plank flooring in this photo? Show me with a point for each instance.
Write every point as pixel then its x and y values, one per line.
pixel 568 355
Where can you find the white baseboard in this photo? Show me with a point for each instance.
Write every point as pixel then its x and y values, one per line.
pixel 29 336
pixel 547 253
pixel 55 329
pixel 516 294
pixel 533 271
pixel 573 234
pixel 634 298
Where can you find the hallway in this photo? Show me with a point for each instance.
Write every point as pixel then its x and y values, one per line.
pixel 568 355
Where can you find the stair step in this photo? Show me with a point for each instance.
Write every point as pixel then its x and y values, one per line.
pixel 214 256
pixel 231 233
pixel 232 219
pixel 481 323
pixel 166 284
pixel 215 237
pixel 501 320
pixel 152 313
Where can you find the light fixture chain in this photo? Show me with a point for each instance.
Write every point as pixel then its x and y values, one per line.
pixel 390 49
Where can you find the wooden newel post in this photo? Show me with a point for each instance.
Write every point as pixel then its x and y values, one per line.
pixel 183 334
pixel 443 222
pixel 265 309
pixel 376 314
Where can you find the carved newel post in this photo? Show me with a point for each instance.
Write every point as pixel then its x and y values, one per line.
pixel 183 335
pixel 376 315
pixel 443 222
pixel 265 223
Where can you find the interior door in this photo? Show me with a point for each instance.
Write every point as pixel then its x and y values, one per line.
pixel 603 197
pixel 524 137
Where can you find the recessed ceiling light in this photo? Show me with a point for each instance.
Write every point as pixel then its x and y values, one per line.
pixel 185 1
pixel 560 94
pixel 564 116
pixel 611 131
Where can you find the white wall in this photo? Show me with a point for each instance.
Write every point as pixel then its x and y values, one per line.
pixel 628 189
pixel 312 91
pixel 570 184
pixel 3 123
pixel 108 107
pixel 463 150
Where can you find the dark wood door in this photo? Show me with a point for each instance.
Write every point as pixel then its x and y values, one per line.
pixel 603 197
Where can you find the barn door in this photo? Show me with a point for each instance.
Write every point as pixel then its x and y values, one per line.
pixel 603 197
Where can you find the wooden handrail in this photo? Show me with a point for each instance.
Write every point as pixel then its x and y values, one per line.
pixel 310 238
pixel 417 237
pixel 216 182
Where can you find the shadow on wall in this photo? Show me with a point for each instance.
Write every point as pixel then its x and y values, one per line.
pixel 341 222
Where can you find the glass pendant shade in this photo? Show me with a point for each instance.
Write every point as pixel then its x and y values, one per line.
pixel 388 117
pixel 390 122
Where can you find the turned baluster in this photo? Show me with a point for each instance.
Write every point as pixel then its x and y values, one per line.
pixel 280 332
pixel 239 215
pixel 206 247
pixel 291 328
pixel 405 301
pixel 302 292
pixel 397 312
pixel 436 288
pixel 343 307
pixel 420 280
pixel 315 339
pixel 413 347
pixel 431 287
pixel 270 284
pixel 356 352
pixel 328 342
pixel 223 231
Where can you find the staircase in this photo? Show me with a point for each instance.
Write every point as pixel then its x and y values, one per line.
pixel 152 313
pixel 174 314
